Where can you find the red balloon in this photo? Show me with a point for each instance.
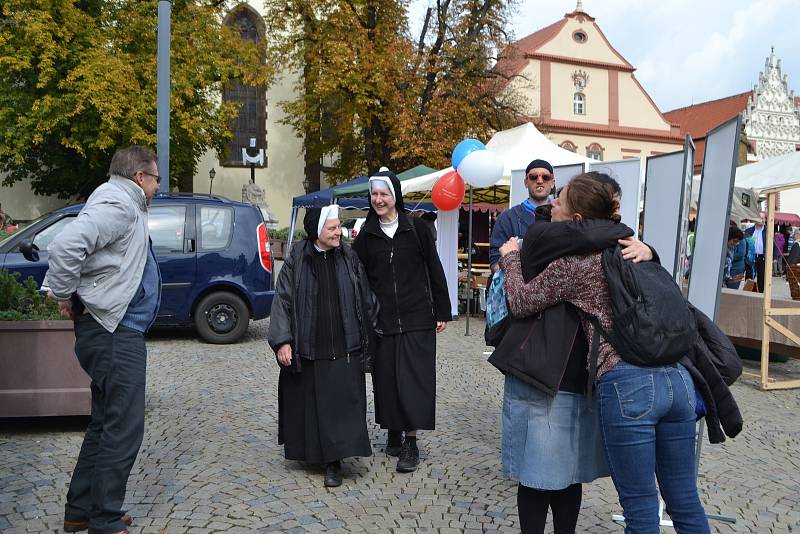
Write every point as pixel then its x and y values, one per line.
pixel 448 191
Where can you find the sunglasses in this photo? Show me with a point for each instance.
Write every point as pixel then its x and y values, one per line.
pixel 157 177
pixel 544 176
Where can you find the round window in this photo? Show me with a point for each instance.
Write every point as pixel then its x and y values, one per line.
pixel 579 36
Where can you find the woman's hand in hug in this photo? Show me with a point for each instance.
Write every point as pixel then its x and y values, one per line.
pixel 509 246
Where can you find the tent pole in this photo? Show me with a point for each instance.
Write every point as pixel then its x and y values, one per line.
pixel 767 289
pixel 292 224
pixel 469 263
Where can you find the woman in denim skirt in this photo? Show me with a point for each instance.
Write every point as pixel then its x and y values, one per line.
pixel 647 418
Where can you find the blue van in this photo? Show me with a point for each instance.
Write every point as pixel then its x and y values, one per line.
pixel 214 255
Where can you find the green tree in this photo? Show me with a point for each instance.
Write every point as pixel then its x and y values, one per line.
pixel 78 81
pixel 370 94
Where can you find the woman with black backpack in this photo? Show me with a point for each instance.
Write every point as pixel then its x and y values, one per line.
pixel 647 414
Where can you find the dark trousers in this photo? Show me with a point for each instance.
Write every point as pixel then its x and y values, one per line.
pixel 116 363
pixel 760 278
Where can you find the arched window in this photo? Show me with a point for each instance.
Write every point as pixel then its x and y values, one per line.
pixel 579 104
pixel 569 145
pixel 595 151
pixel 252 101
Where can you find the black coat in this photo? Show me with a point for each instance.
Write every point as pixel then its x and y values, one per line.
pixel 537 349
pixel 714 365
pixel 293 317
pixel 404 272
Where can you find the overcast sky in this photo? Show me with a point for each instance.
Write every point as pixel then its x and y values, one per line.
pixel 685 51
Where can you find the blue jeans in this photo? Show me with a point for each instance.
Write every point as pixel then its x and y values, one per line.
pixel 648 425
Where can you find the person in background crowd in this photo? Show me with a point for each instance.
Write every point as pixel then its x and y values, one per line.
pixel 3 218
pixel 737 267
pixel 780 250
pixel 406 275
pixel 540 183
pixel 320 327
pixel 759 235
pixel 794 252
pixel 104 275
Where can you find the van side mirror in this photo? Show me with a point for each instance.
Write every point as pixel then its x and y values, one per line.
pixel 29 250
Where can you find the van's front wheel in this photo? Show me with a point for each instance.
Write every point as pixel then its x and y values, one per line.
pixel 221 318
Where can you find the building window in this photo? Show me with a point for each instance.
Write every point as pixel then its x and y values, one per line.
pixel 251 101
pixel 595 151
pixel 579 36
pixel 579 104
pixel 569 145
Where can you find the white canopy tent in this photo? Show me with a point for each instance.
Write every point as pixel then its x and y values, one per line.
pixel 516 147
pixel 744 203
pixel 773 174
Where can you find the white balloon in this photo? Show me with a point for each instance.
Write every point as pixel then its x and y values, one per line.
pixel 482 168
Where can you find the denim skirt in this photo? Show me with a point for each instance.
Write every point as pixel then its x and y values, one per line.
pixel 549 442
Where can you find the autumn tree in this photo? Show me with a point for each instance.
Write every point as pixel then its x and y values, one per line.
pixel 78 81
pixel 371 94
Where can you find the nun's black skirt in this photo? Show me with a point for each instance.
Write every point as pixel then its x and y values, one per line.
pixel 404 380
pixel 322 411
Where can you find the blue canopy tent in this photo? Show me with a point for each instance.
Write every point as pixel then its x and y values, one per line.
pixel 324 197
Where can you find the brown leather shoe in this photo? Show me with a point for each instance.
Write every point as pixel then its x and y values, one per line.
pixel 83 524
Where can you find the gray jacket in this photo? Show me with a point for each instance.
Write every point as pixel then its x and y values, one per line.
pixel 293 316
pixel 101 255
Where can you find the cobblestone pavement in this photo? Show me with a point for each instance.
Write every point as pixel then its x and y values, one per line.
pixel 210 460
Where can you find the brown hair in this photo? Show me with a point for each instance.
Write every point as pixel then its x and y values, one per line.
pixel 592 199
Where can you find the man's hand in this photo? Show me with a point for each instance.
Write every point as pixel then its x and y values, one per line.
pixel 285 355
pixel 509 246
pixel 635 250
pixel 64 306
pixel 440 326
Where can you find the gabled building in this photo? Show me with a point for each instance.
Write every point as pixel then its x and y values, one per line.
pixel 770 116
pixel 583 94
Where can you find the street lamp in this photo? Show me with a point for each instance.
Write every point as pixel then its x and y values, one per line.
pixel 211 174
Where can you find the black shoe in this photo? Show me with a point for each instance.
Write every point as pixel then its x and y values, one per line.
pixel 394 443
pixel 409 457
pixel 333 474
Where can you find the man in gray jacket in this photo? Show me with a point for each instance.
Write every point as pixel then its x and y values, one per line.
pixel 103 273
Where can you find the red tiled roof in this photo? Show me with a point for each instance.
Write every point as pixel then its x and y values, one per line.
pixel 699 119
pixel 513 59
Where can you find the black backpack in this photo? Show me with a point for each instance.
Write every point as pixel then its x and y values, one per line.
pixel 653 323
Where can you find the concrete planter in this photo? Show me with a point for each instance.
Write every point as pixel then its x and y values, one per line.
pixel 278 248
pixel 39 372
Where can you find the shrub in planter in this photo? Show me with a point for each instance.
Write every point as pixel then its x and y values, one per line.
pixel 39 373
pixel 279 239
pixel 23 301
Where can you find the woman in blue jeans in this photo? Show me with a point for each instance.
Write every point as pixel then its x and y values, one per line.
pixel 647 420
pixel 646 414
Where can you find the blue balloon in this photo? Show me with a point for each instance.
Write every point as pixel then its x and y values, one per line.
pixel 467 146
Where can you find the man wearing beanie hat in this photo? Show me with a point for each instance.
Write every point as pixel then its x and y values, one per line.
pixel 540 183
pixel 320 327
pixel 406 275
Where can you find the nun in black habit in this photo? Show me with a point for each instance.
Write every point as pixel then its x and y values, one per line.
pixel 400 258
pixel 320 326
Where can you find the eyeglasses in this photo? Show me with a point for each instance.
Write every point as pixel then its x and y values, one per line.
pixel 157 177
pixel 546 177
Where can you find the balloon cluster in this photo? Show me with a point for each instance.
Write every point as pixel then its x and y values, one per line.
pixel 473 164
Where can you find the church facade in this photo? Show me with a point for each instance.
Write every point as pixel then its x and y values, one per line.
pixel 583 94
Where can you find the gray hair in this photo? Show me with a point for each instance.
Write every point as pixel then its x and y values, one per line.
pixel 128 161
